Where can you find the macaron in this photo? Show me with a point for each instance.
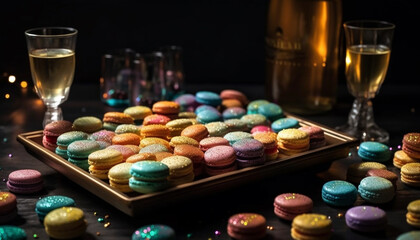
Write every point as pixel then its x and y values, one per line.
pixel 269 140
pixel 102 135
pixel 153 140
pixel 155 130
pixel 288 205
pixel 220 159
pixel 167 108
pixel 235 136
pixel 339 193
pixel 126 139
pixel 119 176
pixel 8 207
pixel 177 125
pixel 253 106
pixel 217 128
pixel 210 142
pixel 138 113
pixel 292 141
pixel 233 112
pixel 236 125
pixel 9 232
pixel 65 223
pixel 155 148
pixel 401 158
pixel 87 124
pixel 141 157
pixel 51 132
pixel 78 152
pixel 65 139
pixel 255 119
pixel 156 119
pixel 366 219
pixel 411 145
pixel 311 226
pixel 208 98
pixel 162 155
pixel 249 152
pixel 261 128
pixel 25 181
pixel 357 171
pixel 125 150
pixel 376 190
pixel 208 116
pixel 149 176
pixel 47 204
pixel 196 131
pixel 411 235
pixel 111 120
pixel 374 152
pixel 410 174
pixel 229 103
pixel 127 128
pixel 244 226
pixel 194 153
pixel 413 213
pixel 316 136
pixel 180 169
pixel 134 148
pixel 102 160
pixel 154 232
pixel 181 140
pixel 234 94
pixel 204 108
pixel 189 115
pixel 387 174
pixel 271 111
pixel 186 102
pixel 284 123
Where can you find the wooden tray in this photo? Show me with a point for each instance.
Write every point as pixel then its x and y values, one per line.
pixel 338 146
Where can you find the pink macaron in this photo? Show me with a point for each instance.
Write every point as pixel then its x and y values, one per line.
pixel 51 132
pixel 249 152
pixel 25 181
pixel 247 226
pixel 103 135
pixel 261 128
pixel 289 205
pixel 126 151
pixel 316 136
pixel 234 94
pixel 210 142
pixel 219 159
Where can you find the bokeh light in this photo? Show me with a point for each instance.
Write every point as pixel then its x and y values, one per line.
pixel 12 78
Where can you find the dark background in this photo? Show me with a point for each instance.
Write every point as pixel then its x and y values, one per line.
pixel 223 40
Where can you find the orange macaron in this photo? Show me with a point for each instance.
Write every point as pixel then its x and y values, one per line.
pixel 196 131
pixel 167 108
pixel 126 139
pixel 155 130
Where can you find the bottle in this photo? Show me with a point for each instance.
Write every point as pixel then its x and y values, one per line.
pixel 302 57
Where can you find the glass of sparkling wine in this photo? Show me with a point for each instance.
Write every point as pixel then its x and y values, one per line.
pixel 368 49
pixel 52 60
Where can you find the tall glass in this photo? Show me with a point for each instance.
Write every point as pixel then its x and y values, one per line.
pixel 52 60
pixel 368 49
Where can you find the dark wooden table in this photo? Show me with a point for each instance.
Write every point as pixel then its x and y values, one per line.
pixel 396 109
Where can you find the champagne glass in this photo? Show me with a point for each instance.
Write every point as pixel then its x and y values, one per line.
pixel 52 60
pixel 368 49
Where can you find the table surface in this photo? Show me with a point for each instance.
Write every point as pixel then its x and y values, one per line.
pixel 204 217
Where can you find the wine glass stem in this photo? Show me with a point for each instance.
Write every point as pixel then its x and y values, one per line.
pixel 361 114
pixel 53 113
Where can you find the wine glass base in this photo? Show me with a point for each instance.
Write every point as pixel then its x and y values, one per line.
pixel 371 133
pixel 51 115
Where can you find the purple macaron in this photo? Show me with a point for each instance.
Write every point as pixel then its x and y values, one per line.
pixel 366 218
pixel 25 181
pixel 249 152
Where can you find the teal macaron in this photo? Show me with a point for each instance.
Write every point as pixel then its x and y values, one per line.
pixel 235 136
pixel 376 190
pixel 284 123
pixel 78 152
pixel 374 152
pixel 9 232
pixel 208 98
pixel 65 139
pixel 339 193
pixel 148 176
pixel 271 111
pixel 47 204
pixel 410 235
pixel 208 116
pixel 255 104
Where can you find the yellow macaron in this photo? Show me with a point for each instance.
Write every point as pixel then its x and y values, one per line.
pixel 102 160
pixel 292 140
pixel 180 169
pixel 65 223
pixel 119 175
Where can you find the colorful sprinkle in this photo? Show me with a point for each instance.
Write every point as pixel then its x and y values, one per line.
pixel 98 233
pixel 217 233
pixel 10 155
pixel 95 213
pixel 101 220
pixel 271 228
pixel 35 236
pixel 189 235
pixel 106 216
pixel 107 224
pixel 340 215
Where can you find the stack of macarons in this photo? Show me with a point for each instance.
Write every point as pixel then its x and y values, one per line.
pixel 291 141
pixel 102 160
pixel 148 176
pixel 65 139
pixel 52 131
pixel 78 152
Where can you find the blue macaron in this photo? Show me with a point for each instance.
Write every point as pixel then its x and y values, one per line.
pixel 203 108
pixel 339 193
pixel 253 106
pixel 377 190
pixel 235 136
pixel 271 111
pixel 154 232
pixel 208 98
pixel 78 152
pixel 64 140
pixel 149 176
pixel 49 203
pixel 208 116
pixel 233 113
pixel 374 152
pixel 284 123
pixel 411 235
